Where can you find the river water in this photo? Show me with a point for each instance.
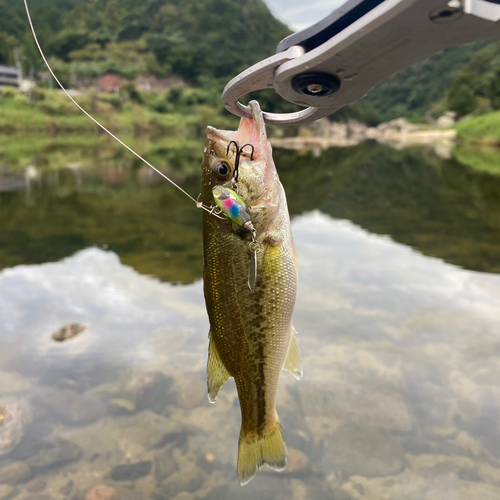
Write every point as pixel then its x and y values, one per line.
pixel 398 315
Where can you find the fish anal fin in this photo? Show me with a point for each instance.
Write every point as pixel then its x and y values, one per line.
pixel 217 373
pixel 256 449
pixel 293 360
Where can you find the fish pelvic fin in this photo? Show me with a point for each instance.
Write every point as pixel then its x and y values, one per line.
pixel 255 450
pixel 217 373
pixel 293 360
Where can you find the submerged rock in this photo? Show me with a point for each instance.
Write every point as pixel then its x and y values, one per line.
pixel 51 452
pixel 362 451
pixel 410 486
pixel 14 473
pixel 261 488
pixel 15 415
pixel 191 391
pixel 36 486
pixel 131 472
pixel 101 492
pixel 123 406
pixel 297 462
pixel 5 491
pixel 165 465
pixel 68 332
pixel 11 382
pixel 71 407
pixel 150 391
pixel 189 478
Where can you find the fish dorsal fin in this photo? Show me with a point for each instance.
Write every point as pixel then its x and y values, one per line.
pixel 293 361
pixel 217 373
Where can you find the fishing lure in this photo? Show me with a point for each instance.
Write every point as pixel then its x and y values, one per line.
pixel 234 208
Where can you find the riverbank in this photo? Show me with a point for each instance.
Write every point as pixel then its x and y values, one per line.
pixel 398 133
pixel 50 111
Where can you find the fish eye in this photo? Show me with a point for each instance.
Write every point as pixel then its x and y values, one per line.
pixel 221 170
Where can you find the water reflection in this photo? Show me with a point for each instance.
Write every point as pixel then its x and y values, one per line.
pixel 401 350
pixel 437 206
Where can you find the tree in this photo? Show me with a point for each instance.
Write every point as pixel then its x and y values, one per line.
pixel 494 89
pixel 461 97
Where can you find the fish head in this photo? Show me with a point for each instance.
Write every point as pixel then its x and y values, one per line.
pixel 255 178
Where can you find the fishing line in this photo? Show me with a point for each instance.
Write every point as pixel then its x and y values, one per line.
pixel 198 204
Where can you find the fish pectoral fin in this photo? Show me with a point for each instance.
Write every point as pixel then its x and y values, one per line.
pixel 293 360
pixel 217 373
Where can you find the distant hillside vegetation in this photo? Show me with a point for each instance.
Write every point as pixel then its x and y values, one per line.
pixel 207 42
pixel 463 73
pixel 194 39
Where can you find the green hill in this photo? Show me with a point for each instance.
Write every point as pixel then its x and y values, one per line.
pixel 195 39
pixel 206 42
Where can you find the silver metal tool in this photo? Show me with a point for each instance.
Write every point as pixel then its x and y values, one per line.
pixel 338 60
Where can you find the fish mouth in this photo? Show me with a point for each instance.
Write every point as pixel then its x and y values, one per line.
pixel 250 131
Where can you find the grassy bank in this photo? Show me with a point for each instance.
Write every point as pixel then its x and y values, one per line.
pixel 51 111
pixel 483 130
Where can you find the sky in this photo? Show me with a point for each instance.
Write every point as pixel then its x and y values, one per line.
pixel 298 14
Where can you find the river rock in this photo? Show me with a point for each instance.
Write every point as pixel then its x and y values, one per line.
pixel 189 478
pixel 131 472
pixel 36 486
pixel 369 402
pixel 191 391
pixel 490 474
pixel 71 407
pixel 261 487
pixel 135 495
pixel 15 415
pixel 51 452
pixel 5 491
pixel 184 495
pixel 176 439
pixel 355 449
pixel 101 492
pixel 165 465
pixel 151 391
pixel 11 382
pixel 437 464
pixel 67 332
pixel 123 406
pixel 297 462
pixel 67 488
pixel 14 473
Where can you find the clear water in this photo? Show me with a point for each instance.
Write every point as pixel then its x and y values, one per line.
pixel 398 315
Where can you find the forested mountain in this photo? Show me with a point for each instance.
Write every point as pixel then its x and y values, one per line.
pixel 206 42
pixel 194 39
pixel 462 79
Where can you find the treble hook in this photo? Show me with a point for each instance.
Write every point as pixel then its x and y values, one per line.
pixel 239 150
pixel 253 150
pixel 229 146
pixel 236 160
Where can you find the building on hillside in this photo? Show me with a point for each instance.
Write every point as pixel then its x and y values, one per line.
pixel 113 82
pixel 9 76
pixel 147 83
pixel 110 83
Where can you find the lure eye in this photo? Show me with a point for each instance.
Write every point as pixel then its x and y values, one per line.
pixel 221 170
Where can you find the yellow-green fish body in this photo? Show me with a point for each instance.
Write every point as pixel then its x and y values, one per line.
pixel 251 333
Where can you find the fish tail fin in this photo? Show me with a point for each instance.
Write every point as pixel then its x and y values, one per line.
pixel 267 447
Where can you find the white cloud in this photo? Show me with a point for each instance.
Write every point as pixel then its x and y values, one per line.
pixel 301 14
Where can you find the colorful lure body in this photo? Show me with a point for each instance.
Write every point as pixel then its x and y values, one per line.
pixel 232 205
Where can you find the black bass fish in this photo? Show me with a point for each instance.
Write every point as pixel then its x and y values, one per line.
pixel 250 285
